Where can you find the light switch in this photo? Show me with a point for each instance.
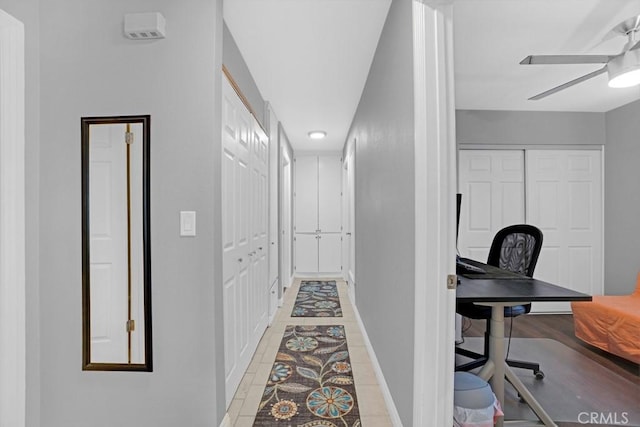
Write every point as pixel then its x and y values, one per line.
pixel 187 223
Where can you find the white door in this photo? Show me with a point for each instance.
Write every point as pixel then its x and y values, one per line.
pixel 564 199
pixel 306 194
pixel 287 239
pixel 108 244
pixel 274 208
pixel 492 186
pixel 259 278
pixel 306 249
pixel 244 231
pixel 329 181
pixel 351 228
pixel 330 254
pixel 346 236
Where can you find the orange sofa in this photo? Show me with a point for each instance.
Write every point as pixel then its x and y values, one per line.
pixel 611 323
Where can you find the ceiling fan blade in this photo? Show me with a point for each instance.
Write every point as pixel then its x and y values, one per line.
pixel 565 59
pixel 569 84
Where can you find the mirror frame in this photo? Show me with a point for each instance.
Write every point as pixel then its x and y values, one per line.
pixel 87 365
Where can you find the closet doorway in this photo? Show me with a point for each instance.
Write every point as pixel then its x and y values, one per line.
pixel 245 250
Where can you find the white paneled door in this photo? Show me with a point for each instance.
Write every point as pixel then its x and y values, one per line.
pixel 306 253
pixel 244 236
pixel 558 191
pixel 259 231
pixel 564 199
pixel 108 245
pixel 329 194
pixel 306 194
pixel 492 186
pixel 318 215
pixel 330 259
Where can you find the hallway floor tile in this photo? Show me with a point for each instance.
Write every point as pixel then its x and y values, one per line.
pixel 245 403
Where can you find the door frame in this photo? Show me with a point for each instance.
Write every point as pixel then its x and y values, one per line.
pixel 435 188
pixel 286 244
pixel 348 216
pixel 12 223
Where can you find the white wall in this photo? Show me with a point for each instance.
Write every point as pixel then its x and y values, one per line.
pixel 233 60
pixel 622 199
pixel 27 11
pixel 88 68
pixel 385 206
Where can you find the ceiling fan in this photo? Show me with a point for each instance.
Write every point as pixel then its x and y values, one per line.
pixel 623 68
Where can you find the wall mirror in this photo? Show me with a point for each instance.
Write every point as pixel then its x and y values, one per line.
pixel 116 263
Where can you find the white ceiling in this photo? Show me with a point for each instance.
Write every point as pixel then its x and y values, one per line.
pixel 491 37
pixel 310 58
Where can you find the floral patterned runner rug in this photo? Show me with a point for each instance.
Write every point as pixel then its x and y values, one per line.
pixel 317 299
pixel 311 383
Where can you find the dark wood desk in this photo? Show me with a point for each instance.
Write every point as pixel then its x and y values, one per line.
pixel 499 289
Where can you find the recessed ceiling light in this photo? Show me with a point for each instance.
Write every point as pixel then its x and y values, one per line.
pixel 317 134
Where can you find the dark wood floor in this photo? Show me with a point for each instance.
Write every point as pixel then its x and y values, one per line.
pixel 560 328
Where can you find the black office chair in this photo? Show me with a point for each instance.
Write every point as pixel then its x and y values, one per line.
pixel 515 248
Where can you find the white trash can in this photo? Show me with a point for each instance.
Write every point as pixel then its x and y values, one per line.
pixel 474 404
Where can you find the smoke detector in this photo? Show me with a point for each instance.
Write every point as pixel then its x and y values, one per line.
pixel 144 26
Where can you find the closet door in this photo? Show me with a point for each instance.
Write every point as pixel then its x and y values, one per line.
pixel 329 194
pixel 492 186
pixel 330 253
pixel 259 290
pixel 564 199
pixel 318 201
pixel 306 194
pixel 244 231
pixel 306 261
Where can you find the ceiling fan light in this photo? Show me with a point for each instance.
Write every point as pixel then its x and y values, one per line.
pixel 628 79
pixel 624 70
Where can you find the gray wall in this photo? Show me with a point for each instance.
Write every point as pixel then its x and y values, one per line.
pixel 622 199
pixel 385 253
pixel 27 11
pixel 89 69
pixel 529 127
pixel 233 60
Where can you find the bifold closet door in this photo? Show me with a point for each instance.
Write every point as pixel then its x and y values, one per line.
pixel 244 236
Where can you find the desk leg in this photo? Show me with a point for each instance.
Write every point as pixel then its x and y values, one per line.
pixel 496 355
pixel 528 397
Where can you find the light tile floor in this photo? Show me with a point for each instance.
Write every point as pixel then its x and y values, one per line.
pixel 373 410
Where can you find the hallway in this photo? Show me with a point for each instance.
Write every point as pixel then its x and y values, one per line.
pixel 370 399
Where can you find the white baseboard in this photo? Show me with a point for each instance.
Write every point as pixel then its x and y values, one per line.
pixel 226 421
pixel 384 388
